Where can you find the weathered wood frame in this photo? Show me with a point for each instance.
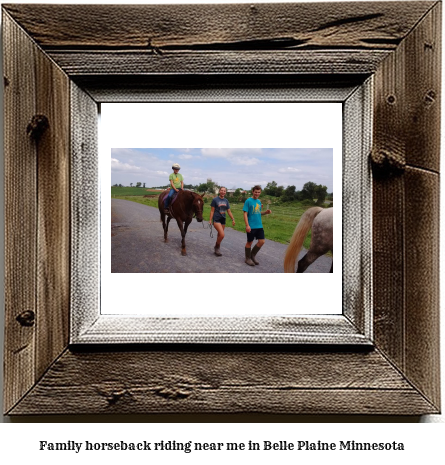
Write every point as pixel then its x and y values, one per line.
pixel 81 55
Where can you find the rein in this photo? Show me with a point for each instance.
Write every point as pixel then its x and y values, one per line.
pixel 210 227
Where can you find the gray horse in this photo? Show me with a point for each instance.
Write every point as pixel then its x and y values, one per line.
pixel 321 221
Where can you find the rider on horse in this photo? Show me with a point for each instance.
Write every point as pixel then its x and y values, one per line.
pixel 176 183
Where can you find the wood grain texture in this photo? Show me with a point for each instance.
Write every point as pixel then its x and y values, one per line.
pixel 388 268
pixel 37 218
pixel 202 39
pixel 423 91
pixel 388 202
pixel 130 63
pixel 108 329
pixel 357 234
pixel 159 27
pixel 20 212
pixel 421 212
pixel 422 281
pixel 53 228
pixel 85 212
pixel 398 42
pixel 223 382
pixel 407 135
pixel 218 87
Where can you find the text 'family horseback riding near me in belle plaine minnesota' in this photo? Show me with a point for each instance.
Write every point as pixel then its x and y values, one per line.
pixel 192 446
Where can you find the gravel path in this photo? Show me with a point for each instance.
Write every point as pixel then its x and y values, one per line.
pixel 137 246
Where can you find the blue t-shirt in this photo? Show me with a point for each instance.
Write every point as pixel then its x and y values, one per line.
pixel 221 206
pixel 253 209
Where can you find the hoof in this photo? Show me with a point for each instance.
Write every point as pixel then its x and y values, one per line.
pixel 183 253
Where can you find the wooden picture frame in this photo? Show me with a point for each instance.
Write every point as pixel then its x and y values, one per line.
pixel 57 70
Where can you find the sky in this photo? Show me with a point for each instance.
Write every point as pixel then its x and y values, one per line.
pixel 230 167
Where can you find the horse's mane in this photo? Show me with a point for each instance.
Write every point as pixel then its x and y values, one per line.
pixel 193 194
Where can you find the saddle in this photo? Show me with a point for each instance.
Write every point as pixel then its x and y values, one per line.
pixel 172 200
pixel 174 197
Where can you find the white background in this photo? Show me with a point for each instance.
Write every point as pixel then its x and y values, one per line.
pixel 224 125
pixel 19 442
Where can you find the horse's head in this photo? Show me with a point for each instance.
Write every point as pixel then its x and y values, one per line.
pixel 198 206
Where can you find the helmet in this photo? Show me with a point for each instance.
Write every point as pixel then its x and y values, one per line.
pixel 176 167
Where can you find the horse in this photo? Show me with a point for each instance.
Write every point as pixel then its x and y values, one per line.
pixel 182 210
pixel 321 220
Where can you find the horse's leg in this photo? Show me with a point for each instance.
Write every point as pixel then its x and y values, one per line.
pixel 166 229
pixel 332 267
pixel 181 228
pixel 307 260
pixel 186 225
pixel 163 225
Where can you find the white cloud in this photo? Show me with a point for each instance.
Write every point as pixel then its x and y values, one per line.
pixel 234 156
pixel 245 161
pixel 289 169
pixel 256 183
pixel 229 153
pixel 116 165
pixel 185 157
pixel 119 167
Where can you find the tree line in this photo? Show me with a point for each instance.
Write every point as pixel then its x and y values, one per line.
pixel 310 191
pixel 138 184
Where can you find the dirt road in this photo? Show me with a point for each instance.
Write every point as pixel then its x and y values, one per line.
pixel 137 246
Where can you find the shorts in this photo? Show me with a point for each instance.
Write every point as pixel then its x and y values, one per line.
pixel 220 220
pixel 255 234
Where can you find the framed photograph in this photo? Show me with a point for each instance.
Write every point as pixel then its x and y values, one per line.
pixel 81 338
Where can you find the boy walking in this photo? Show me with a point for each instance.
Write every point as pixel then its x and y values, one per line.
pixel 254 226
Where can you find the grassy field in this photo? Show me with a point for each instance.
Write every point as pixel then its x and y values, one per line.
pixel 132 191
pixel 278 226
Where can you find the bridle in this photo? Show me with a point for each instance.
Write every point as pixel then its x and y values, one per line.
pixel 198 211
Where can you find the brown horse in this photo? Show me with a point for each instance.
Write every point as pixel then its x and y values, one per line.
pixel 321 220
pixel 182 210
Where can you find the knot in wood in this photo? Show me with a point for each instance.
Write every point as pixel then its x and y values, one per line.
pixel 37 126
pixel 387 163
pixel 430 97
pixel 114 397
pixel 113 394
pixel 26 318
pixel 172 393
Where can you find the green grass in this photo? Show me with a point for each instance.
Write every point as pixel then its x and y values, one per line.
pixel 153 202
pixel 278 226
pixel 133 191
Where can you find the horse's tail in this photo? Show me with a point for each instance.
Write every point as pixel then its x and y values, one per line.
pixel 297 239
